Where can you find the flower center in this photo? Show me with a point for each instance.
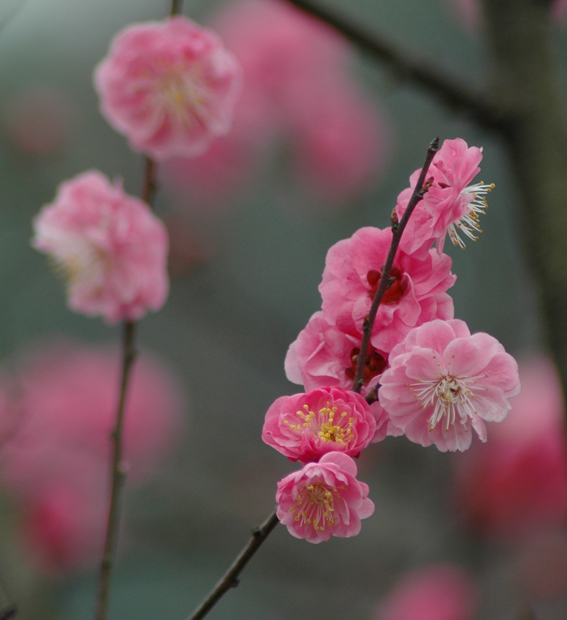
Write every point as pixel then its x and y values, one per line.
pixel 315 506
pixel 375 364
pixel 450 397
pixel 326 424
pixel 468 222
pixel 396 290
pixel 183 95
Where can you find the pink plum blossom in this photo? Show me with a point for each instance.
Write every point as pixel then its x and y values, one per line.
pixel 168 86
pixel 451 204
pixel 324 356
pixel 54 464
pixel 443 382
pixel 418 294
pixel 324 499
pixel 329 419
pixel 109 246
pixel 438 592
pixel 518 481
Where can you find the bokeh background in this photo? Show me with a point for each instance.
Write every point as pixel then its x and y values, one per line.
pixel 245 268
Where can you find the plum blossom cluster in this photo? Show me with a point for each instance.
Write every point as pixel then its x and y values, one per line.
pixel 425 375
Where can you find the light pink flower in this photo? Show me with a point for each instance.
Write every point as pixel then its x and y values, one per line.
pixel 329 419
pixel 443 382
pixel 518 481
pixel 324 499
pixel 451 204
pixel 324 356
pixel 54 464
pixel 438 592
pixel 350 279
pixel 110 247
pixel 168 86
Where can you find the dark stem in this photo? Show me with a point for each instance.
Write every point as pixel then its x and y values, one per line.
pixel 176 7
pixel 118 472
pixel 150 185
pixel 230 579
pixel 407 67
pixel 385 283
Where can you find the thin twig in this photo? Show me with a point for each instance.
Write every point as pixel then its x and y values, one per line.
pixel 118 472
pixel 176 7
pixel 150 184
pixel 385 280
pixel 445 87
pixel 230 579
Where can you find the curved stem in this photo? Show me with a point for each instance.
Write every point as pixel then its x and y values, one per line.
pixel 230 579
pixel 445 87
pixel 385 281
pixel 176 7
pixel 118 473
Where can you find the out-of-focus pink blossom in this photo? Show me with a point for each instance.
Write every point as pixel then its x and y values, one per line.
pixel 39 119
pixel 56 463
pixel 438 592
pixel 451 204
pixel 330 419
pixel 518 481
pixel 336 151
pixel 324 356
pixel 168 86
pixel 352 272
pixel 443 382
pixel 324 499
pixel 296 84
pixel 110 247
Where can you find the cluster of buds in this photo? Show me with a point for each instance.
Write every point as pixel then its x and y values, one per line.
pixel 425 376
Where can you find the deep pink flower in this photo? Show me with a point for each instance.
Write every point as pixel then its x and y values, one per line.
pixel 324 499
pixel 518 481
pixel 324 356
pixel 329 419
pixel 438 592
pixel 417 295
pixel 54 462
pixel 110 247
pixel 451 204
pixel 168 86
pixel 443 382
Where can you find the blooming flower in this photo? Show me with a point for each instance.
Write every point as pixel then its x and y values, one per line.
pixel 442 382
pixel 451 204
pixel 517 482
pixel 438 592
pixel 352 272
pixel 55 460
pixel 305 426
pixel 324 499
pixel 168 86
pixel 109 245
pixel 322 355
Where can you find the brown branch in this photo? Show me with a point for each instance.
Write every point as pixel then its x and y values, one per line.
pixel 176 7
pixel 447 88
pixel 150 184
pixel 230 579
pixel 385 280
pixel 118 473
